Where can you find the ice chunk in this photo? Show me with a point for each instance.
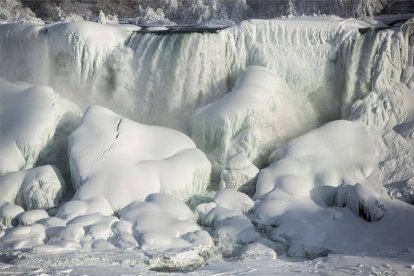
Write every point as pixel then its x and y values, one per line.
pixel 38 188
pixel 361 200
pixel 240 174
pixel 23 237
pixel 171 205
pixel 9 214
pixel 256 117
pixel 233 200
pixel 34 125
pixel 122 161
pixel 122 235
pixel 76 208
pixel 385 108
pixel 258 251
pixel 176 259
pixel 32 216
pixel 157 227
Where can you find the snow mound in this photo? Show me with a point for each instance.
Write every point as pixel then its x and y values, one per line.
pixel 34 125
pixel 121 160
pixel 240 174
pixel 335 165
pixel 384 109
pixel 9 214
pixel 229 226
pixel 38 188
pixel 339 152
pixel 171 205
pixel 158 228
pixel 32 216
pixel 258 251
pixel 76 208
pixel 23 237
pixel 233 200
pixel 256 117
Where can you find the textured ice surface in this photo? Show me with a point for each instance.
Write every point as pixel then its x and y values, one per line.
pixel 34 124
pixel 259 115
pixel 312 55
pixel 116 158
pixel 37 188
pixel 9 214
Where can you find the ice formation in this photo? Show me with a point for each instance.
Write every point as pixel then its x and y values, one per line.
pixel 38 188
pixel 146 225
pixel 336 153
pixel 233 200
pixel 9 214
pixel 331 189
pixel 34 124
pixel 116 158
pixel 259 115
pixel 312 55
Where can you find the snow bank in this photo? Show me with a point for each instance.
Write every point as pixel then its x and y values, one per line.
pixel 38 188
pixel 34 124
pixel 122 161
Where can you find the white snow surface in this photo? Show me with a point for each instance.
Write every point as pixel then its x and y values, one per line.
pixel 340 152
pixel 259 115
pixel 34 124
pixel 37 188
pixel 121 160
pixel 339 195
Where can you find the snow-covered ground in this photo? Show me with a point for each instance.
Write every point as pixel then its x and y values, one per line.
pixel 299 161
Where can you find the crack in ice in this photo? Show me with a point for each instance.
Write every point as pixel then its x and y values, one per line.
pixel 118 126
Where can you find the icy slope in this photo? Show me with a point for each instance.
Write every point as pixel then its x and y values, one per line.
pixel 121 160
pixel 34 124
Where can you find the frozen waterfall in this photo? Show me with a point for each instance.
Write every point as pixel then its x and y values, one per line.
pixel 162 79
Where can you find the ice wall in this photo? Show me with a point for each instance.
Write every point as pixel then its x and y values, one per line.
pixel 162 79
